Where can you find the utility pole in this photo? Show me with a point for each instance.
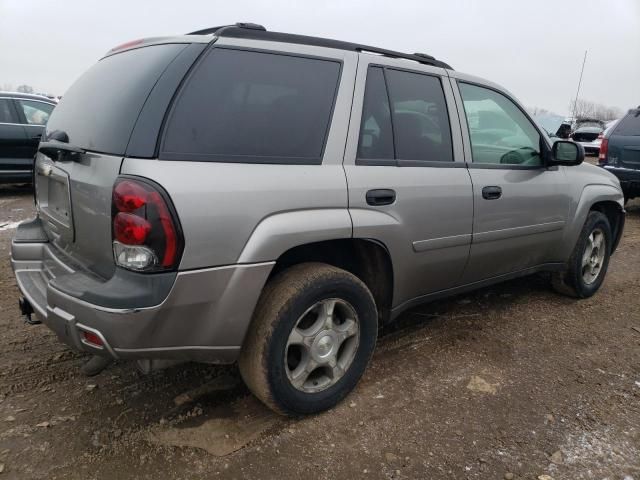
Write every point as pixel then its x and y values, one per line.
pixel 575 103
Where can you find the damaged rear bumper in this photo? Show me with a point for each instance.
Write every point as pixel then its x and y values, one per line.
pixel 198 315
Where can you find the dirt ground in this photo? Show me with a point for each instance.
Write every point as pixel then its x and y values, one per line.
pixel 513 381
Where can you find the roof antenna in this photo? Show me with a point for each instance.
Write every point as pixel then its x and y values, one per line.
pixel 575 103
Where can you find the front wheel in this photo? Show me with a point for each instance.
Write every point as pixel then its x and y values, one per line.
pixel 310 340
pixel 589 261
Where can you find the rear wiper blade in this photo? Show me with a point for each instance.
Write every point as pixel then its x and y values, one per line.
pixel 57 150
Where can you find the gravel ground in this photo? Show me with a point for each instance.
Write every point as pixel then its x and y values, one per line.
pixel 513 381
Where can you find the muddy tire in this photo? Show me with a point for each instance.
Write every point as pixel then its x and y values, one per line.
pixel 311 337
pixel 589 261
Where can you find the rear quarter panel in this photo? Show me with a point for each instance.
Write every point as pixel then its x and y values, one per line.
pixel 221 206
pixel 238 212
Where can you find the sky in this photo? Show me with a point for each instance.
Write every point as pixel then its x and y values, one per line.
pixel 533 48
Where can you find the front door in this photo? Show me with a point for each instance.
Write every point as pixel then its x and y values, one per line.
pixel 408 185
pixel 520 205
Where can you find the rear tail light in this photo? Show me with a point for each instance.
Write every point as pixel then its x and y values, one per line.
pixel 146 232
pixel 602 156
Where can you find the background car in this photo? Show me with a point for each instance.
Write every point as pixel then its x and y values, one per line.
pixel 556 126
pixel 620 152
pixel 608 127
pixel 22 121
pixel 586 134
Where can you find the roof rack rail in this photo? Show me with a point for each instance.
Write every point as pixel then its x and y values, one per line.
pixel 247 25
pixel 258 32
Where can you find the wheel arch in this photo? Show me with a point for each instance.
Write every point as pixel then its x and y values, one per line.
pixel 605 198
pixel 367 259
pixel 616 215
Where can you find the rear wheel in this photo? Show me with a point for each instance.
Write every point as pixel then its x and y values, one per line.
pixel 310 340
pixel 589 261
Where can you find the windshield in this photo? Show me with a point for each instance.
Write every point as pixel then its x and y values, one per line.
pixel 549 121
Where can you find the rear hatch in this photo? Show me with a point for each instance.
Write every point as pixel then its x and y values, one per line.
pixel 96 117
pixel 586 134
pixel 624 142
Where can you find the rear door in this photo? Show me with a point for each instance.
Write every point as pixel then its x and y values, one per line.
pixel 98 114
pixel 624 142
pixel 408 183
pixel 13 139
pixel 520 205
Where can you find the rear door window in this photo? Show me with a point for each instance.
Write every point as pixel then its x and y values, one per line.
pixel 420 118
pixel 404 117
pixel 100 109
pixel 376 134
pixel 256 107
pixel 629 125
pixel 7 114
pixel 35 113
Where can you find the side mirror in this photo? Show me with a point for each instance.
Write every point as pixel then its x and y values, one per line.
pixel 566 153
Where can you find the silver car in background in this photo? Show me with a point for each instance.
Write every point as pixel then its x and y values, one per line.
pixel 272 199
pixel 588 133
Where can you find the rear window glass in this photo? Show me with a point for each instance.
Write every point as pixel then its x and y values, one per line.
pixel 35 113
pixel 246 106
pixel 376 134
pixel 414 104
pixel 629 125
pixel 100 109
pixel 420 118
pixel 6 111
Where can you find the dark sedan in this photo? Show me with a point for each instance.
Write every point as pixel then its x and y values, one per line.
pixel 22 121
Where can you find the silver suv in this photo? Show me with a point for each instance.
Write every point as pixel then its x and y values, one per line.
pixel 273 199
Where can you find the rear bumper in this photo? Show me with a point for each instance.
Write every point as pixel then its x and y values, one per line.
pixel 203 317
pixel 590 147
pixel 629 179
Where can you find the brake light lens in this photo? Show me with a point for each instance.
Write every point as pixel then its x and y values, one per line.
pixel 146 233
pixel 124 46
pixel 128 196
pixel 604 148
pixel 130 229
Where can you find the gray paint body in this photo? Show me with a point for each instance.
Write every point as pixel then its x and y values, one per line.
pixel 237 219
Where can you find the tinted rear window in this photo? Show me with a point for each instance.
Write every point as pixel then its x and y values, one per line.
pixel 7 114
pixel 415 105
pixel 100 109
pixel 420 118
pixel 376 134
pixel 629 125
pixel 247 106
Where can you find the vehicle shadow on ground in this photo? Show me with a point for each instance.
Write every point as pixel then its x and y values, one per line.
pixel 16 190
pixel 633 207
pixel 211 409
